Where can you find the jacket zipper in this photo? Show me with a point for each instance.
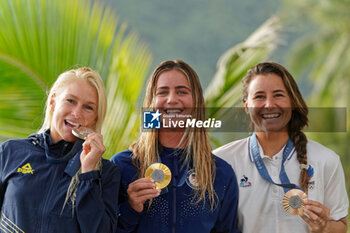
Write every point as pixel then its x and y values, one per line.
pixel 174 210
pixel 176 171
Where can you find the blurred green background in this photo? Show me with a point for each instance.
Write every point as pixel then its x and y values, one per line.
pixel 125 39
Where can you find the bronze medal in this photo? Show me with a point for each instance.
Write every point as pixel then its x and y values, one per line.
pixel 293 201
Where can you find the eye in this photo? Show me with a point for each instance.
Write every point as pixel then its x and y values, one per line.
pixel 183 92
pixel 71 101
pixel 90 108
pixel 161 93
pixel 259 97
pixel 279 95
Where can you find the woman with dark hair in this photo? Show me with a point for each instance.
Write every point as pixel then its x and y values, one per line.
pixel 202 194
pixel 279 154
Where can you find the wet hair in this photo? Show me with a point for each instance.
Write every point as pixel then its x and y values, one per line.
pixel 197 142
pixel 64 79
pixel 299 117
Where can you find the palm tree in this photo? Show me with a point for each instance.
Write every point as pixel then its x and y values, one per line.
pixel 224 93
pixel 323 55
pixel 40 39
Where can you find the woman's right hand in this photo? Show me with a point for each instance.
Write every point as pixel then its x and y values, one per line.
pixel 139 191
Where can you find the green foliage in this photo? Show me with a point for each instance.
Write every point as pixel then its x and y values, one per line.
pixel 41 39
pixel 225 90
pixel 323 55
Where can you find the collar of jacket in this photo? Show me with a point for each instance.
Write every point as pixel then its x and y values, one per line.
pixel 73 164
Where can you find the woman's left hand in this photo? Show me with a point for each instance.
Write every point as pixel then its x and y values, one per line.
pixel 317 216
pixel 93 150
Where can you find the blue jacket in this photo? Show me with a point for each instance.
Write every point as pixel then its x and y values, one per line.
pixel 174 210
pixel 33 187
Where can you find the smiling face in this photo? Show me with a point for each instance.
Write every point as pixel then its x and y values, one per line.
pixel 173 94
pixel 268 103
pixel 75 106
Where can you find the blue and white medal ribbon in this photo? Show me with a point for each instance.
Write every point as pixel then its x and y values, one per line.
pixel 293 200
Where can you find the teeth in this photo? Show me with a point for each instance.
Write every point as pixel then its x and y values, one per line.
pixel 271 115
pixel 173 111
pixel 72 123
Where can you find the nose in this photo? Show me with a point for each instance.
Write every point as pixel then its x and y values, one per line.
pixel 77 112
pixel 172 98
pixel 269 103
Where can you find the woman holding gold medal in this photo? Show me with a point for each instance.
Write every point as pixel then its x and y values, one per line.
pixel 279 154
pixel 171 182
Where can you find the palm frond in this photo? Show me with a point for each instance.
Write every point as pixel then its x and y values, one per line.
pixel 40 39
pixel 225 89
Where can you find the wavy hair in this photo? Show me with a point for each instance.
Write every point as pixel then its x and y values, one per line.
pixel 299 117
pixel 197 145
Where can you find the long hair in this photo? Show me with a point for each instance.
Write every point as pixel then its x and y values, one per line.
pixel 299 117
pixel 94 79
pixel 197 146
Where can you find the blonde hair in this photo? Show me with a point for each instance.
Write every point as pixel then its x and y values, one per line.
pixel 197 148
pixel 93 78
pixel 86 74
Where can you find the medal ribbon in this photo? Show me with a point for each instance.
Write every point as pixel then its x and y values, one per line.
pixel 259 163
pixel 183 177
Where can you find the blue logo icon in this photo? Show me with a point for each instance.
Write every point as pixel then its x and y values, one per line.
pixel 244 182
pixel 310 171
pixel 151 120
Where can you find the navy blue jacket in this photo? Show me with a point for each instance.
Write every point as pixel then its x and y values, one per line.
pixel 33 187
pixel 175 210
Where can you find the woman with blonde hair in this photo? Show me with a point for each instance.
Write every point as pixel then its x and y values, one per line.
pixel 54 182
pixel 288 183
pixel 202 194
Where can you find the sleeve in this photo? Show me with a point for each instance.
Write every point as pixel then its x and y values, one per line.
pixel 128 218
pixel 97 200
pixel 228 218
pixel 336 198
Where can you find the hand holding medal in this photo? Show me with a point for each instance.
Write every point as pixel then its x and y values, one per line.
pixel 93 148
pixel 316 216
pixel 157 177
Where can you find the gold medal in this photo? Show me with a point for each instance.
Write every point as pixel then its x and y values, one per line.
pixel 293 201
pixel 160 173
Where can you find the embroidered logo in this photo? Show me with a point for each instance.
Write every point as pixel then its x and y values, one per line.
pixel 25 169
pixel 311 185
pixel 244 182
pixel 191 179
pixel 311 172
